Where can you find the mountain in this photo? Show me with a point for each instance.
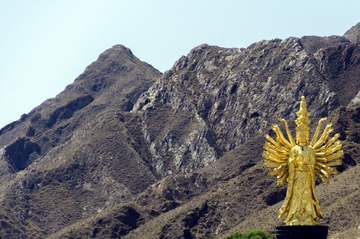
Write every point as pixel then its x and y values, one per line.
pixel 353 34
pixel 126 151
pixel 78 153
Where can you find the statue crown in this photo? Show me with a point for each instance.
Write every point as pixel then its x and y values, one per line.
pixel 302 121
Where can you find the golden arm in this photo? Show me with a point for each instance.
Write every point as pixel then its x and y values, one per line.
pixel 324 136
pixel 292 142
pixel 317 132
pixel 280 135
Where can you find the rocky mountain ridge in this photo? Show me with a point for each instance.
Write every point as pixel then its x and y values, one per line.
pixel 59 156
pixel 228 93
pixel 128 151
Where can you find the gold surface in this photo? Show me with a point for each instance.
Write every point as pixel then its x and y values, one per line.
pixel 298 163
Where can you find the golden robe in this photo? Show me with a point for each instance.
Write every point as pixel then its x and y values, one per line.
pixel 301 206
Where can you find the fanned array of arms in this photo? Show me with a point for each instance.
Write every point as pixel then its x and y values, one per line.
pixel 327 152
pixel 278 152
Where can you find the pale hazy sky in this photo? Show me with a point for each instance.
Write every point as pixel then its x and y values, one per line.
pixel 46 44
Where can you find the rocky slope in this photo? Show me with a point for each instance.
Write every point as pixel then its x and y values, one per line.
pixel 75 155
pixel 127 152
pixel 353 34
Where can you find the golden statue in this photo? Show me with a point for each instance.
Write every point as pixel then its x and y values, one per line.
pixel 298 163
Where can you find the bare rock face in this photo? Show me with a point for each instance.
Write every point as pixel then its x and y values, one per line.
pixel 340 65
pixel 224 97
pixel 353 34
pixel 173 129
pixel 355 101
pixel 314 43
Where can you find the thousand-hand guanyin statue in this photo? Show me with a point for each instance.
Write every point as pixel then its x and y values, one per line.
pixel 298 163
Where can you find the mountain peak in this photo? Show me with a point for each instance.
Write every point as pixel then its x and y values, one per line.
pixel 353 34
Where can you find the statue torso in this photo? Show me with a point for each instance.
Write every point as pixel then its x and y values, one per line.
pixel 302 158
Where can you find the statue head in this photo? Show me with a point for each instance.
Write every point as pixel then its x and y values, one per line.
pixel 302 122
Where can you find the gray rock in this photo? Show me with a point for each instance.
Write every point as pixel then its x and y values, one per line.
pixel 226 96
pixel 353 34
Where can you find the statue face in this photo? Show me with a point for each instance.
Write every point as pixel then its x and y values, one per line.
pixel 302 137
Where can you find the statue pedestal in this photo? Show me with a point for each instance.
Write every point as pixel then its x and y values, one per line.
pixel 301 232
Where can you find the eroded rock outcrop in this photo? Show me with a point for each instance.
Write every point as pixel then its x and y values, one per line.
pixel 226 96
pixel 353 34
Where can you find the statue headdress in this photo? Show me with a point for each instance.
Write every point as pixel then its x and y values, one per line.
pixel 302 121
